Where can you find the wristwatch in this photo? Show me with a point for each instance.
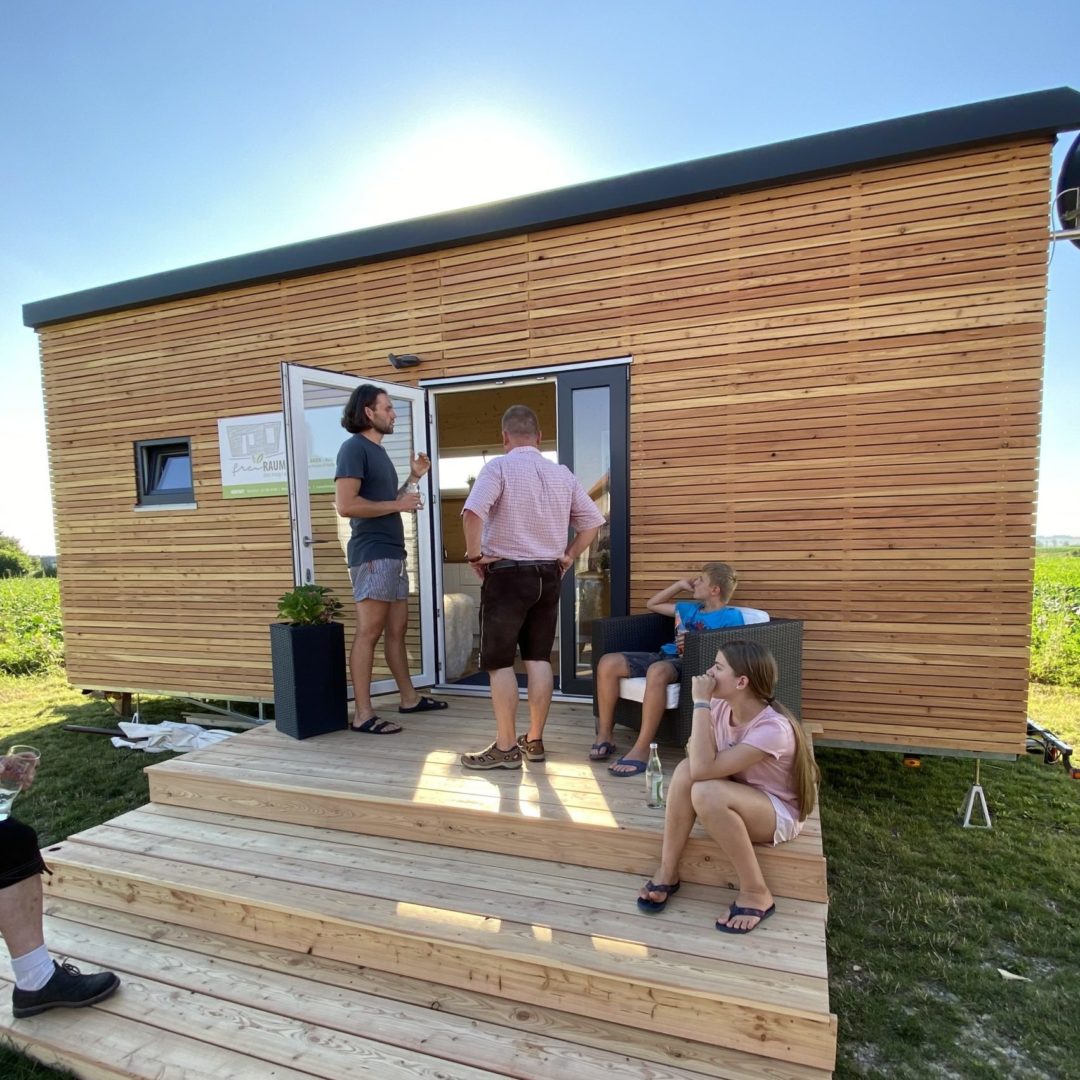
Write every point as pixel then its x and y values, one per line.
pixel 474 558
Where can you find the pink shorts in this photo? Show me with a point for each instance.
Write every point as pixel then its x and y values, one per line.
pixel 787 828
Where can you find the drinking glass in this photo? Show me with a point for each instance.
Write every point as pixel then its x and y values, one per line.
pixel 17 764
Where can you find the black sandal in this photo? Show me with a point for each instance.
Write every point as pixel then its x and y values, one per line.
pixel 425 704
pixel 374 726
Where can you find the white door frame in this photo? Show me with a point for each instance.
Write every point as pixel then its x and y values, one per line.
pixel 294 377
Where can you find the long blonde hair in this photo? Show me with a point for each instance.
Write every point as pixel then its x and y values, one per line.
pixel 754 661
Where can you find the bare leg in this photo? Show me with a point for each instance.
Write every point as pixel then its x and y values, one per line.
pixel 504 701
pixel 397 656
pixel 541 686
pixel 679 818
pixel 611 668
pixel 371 616
pixel 738 816
pixel 657 679
pixel 20 916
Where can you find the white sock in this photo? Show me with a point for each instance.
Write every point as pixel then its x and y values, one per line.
pixel 33 970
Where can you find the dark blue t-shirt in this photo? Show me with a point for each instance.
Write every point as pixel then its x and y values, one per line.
pixel 380 537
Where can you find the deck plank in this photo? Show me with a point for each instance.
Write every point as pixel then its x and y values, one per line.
pixel 546 1029
pixel 655 989
pixel 414 788
pixel 308 906
pixel 562 898
pixel 99 1044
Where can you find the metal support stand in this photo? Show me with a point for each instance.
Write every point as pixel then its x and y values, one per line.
pixel 975 795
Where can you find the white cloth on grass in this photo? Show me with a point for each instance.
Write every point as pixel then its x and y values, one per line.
pixel 157 738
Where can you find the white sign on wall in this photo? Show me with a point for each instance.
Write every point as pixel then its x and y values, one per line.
pixel 252 450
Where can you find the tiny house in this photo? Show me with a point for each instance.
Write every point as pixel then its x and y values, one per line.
pixel 820 360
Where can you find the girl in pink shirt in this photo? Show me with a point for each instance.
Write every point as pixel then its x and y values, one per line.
pixel 749 774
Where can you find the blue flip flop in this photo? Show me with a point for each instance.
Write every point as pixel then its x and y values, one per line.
pixel 736 910
pixel 601 751
pixel 653 906
pixel 639 767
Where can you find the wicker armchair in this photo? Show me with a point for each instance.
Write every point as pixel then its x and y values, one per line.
pixel 646 633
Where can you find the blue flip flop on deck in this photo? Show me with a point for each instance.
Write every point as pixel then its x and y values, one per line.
pixel 639 767
pixel 735 910
pixel 601 751
pixel 653 906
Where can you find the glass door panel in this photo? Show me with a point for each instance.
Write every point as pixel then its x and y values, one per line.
pixel 592 415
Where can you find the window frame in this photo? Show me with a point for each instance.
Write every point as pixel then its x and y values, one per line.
pixel 149 457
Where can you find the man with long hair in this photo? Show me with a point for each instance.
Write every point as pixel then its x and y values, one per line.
pixel 368 494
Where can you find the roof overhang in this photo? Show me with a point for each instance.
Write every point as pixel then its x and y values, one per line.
pixel 1046 112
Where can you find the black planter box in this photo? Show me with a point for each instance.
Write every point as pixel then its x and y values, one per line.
pixel 310 695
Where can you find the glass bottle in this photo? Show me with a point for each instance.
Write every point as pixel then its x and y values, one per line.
pixel 412 487
pixel 654 778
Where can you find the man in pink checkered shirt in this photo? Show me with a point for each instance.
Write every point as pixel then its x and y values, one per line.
pixel 516 520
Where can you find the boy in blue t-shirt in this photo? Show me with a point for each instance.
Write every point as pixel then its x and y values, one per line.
pixel 709 610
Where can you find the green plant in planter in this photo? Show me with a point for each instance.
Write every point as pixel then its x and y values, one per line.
pixel 307 657
pixel 309 605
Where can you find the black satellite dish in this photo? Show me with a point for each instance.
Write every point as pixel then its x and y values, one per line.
pixel 1068 191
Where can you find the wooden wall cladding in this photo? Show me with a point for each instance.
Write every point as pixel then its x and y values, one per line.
pixel 835 386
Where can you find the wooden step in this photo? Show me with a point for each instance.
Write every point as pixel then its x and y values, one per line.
pixel 195 1004
pixel 566 809
pixel 547 934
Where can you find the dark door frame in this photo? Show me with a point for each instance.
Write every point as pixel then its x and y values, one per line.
pixel 616 379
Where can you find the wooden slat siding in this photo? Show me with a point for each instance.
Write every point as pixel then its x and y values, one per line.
pixel 836 385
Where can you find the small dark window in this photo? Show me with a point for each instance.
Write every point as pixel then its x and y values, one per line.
pixel 163 471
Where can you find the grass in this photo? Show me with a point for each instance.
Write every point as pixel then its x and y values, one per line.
pixel 83 779
pixel 31 636
pixel 922 913
pixel 1055 618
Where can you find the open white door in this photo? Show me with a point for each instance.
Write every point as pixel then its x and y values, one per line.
pixel 313 402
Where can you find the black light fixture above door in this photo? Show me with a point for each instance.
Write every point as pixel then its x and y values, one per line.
pixel 404 360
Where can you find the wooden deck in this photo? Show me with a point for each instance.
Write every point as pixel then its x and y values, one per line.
pixel 352 905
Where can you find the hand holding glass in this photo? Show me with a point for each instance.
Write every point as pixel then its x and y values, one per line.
pixel 17 769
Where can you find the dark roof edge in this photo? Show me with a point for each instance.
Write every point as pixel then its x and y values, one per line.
pixel 1043 112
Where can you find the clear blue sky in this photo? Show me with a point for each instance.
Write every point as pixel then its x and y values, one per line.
pixel 143 135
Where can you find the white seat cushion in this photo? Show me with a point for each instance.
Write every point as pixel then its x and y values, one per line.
pixel 752 615
pixel 634 690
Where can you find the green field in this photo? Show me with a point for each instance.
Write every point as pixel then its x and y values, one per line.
pixel 31 638
pixel 1055 619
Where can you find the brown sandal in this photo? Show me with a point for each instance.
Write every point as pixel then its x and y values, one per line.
pixel 493 758
pixel 532 749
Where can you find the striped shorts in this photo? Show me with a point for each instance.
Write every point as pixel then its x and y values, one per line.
pixel 380 579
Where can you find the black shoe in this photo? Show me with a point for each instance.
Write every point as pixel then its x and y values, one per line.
pixel 68 988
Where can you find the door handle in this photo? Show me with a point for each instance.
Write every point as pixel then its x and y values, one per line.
pixel 308 542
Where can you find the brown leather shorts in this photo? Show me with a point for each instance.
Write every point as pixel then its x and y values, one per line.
pixel 519 607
